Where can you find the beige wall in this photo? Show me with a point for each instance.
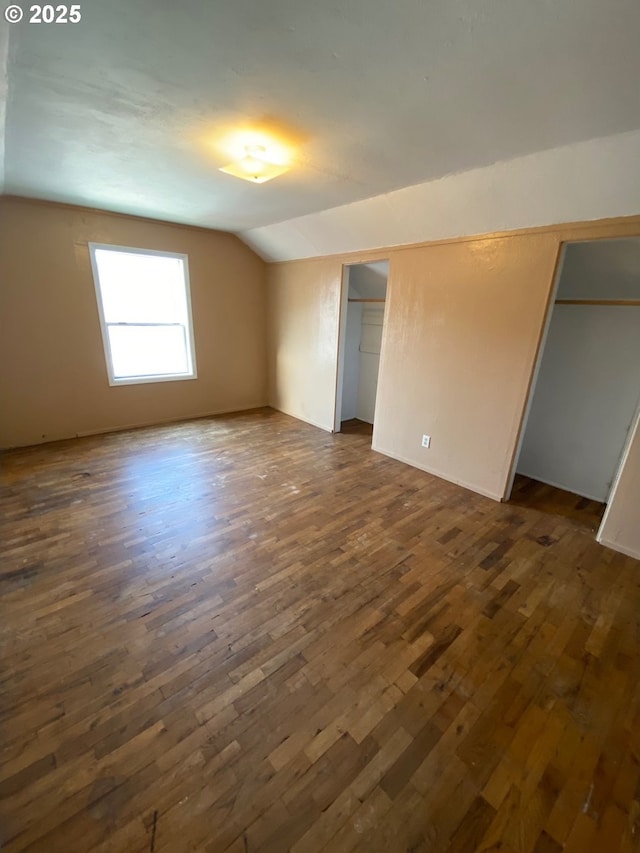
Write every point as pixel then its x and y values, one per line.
pixel 53 378
pixel 462 329
pixel 621 524
pixel 303 317
pixel 462 324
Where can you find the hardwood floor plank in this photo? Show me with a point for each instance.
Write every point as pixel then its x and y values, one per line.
pixel 245 634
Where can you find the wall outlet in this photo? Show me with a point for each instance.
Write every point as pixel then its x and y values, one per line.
pixel 426 441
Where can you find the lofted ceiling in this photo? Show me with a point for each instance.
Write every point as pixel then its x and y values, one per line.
pixel 128 109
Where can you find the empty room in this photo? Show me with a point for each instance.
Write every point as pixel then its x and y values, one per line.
pixel 319 419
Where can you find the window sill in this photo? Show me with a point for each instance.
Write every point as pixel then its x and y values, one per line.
pixel 147 380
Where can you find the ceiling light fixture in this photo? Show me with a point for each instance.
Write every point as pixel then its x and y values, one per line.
pixel 256 166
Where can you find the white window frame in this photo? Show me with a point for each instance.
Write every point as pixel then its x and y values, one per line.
pixel 143 380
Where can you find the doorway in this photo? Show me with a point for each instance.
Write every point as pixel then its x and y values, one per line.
pixel 364 293
pixel 586 387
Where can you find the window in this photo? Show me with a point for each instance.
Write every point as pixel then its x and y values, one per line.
pixel 145 313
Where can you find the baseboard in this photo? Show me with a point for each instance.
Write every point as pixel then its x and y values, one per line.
pixel 140 425
pixel 165 421
pixel 300 418
pixel 621 549
pixel 563 488
pixel 470 486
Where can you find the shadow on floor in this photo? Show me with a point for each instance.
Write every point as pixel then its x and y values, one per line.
pixel 356 427
pixel 553 501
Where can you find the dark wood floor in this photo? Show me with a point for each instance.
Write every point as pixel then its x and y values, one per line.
pixel 245 634
pixel 356 427
pixel 532 494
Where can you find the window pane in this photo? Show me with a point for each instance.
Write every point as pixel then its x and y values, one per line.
pixel 145 314
pixel 138 288
pixel 148 350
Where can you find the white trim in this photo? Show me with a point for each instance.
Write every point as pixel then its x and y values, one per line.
pixel 191 349
pixel 136 250
pixel 621 549
pixel 472 487
pixel 562 251
pixel 147 380
pixel 342 333
pixel 635 425
pixel 107 430
pixel 383 347
pixel 181 419
pixel 300 418
pixel 562 486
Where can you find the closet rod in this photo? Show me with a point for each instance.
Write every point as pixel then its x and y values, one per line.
pixel 597 301
pixel 365 300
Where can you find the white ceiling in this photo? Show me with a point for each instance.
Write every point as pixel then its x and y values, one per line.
pixel 123 110
pixel 583 181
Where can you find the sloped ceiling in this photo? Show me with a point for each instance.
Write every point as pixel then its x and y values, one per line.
pixel 587 180
pixel 125 110
pixel 604 269
pixel 369 281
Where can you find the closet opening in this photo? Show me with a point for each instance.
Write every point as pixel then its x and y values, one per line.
pixel 363 299
pixel 586 389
